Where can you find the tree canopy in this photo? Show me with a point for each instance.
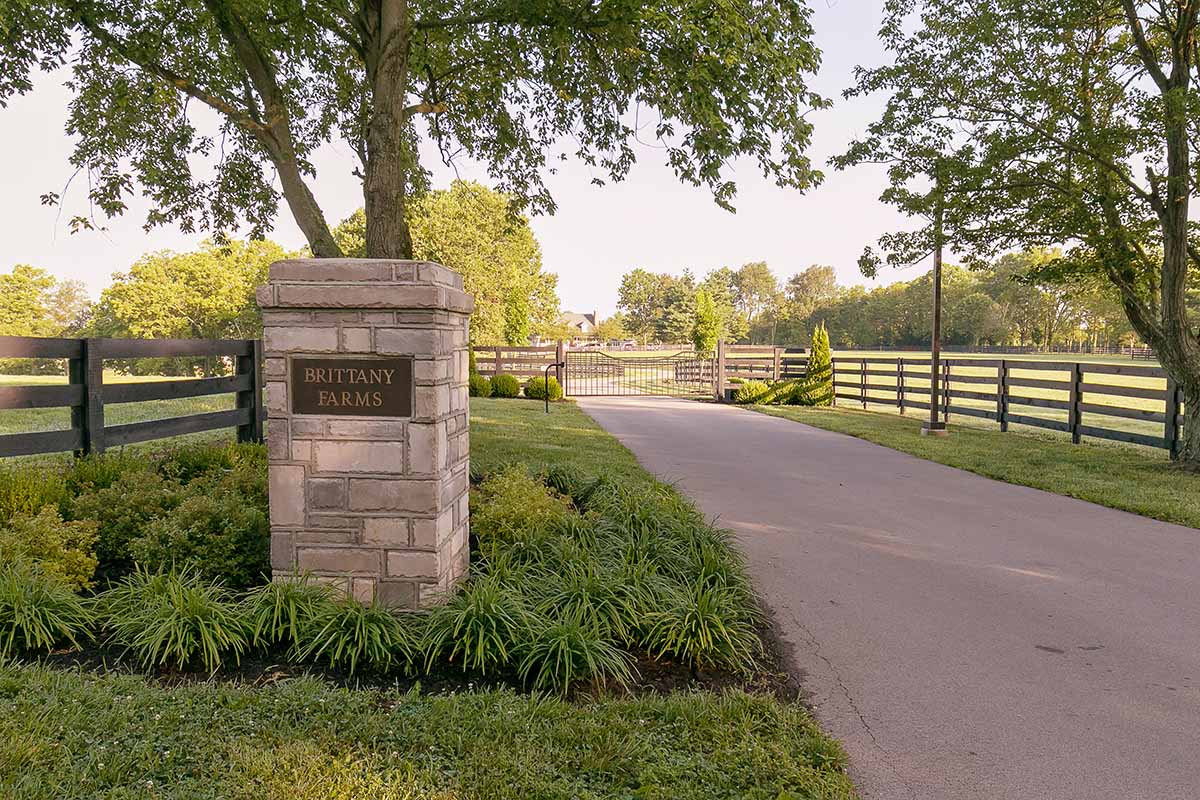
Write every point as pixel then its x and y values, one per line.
pixel 1047 124
pixel 510 84
pixel 470 229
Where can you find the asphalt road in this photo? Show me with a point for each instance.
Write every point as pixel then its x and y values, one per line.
pixel 964 638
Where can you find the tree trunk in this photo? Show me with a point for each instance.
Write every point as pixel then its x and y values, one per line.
pixel 1189 445
pixel 389 158
pixel 305 210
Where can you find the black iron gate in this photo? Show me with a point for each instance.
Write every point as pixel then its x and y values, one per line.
pixel 594 373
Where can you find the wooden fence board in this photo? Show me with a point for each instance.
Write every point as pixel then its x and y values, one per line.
pixel 40 396
pixel 175 426
pixel 28 444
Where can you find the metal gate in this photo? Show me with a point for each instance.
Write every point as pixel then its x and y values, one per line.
pixel 595 373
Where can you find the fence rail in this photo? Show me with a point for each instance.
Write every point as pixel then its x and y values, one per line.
pixel 521 362
pixel 86 393
pixel 753 362
pixel 1121 402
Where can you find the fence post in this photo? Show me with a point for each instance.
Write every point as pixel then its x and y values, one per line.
pixel 833 374
pixel 92 413
pixel 252 398
pixel 900 383
pixel 862 381
pixel 1171 425
pixel 496 368
pixel 719 373
pixel 77 374
pixel 946 392
pixel 1002 396
pixel 1073 413
pixel 560 357
pixel 778 363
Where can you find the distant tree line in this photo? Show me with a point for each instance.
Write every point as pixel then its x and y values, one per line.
pixel 1004 303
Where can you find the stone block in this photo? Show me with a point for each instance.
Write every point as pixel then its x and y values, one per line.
pixel 397 594
pixel 285 485
pixel 297 339
pixel 338 559
pixel 327 493
pixel 277 398
pixel 356 340
pixel 332 269
pixel 358 456
pixel 363 589
pixel 426 448
pixel 383 494
pixel 387 531
pixel 281 551
pixel 407 341
pixel 339 295
pixel 349 428
pixel 411 564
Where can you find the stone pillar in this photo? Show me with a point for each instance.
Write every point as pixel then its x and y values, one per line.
pixel 366 370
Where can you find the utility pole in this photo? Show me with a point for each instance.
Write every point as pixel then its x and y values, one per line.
pixel 936 426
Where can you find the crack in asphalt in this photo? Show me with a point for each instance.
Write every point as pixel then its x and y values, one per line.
pixel 815 647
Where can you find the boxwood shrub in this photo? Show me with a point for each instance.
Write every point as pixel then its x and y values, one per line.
pixel 505 385
pixel 538 387
pixel 479 385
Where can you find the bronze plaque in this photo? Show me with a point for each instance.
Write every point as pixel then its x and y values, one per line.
pixel 360 387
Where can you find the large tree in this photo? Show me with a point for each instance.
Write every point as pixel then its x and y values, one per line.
pixel 511 84
pixel 1071 123
pixel 470 229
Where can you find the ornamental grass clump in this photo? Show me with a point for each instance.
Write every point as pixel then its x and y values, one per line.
pixel 706 626
pixel 482 628
pixel 280 612
pixel 593 597
pixel 38 611
pixel 348 635
pixel 176 619
pixel 570 650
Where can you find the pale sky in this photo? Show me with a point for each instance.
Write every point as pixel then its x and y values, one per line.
pixel 598 233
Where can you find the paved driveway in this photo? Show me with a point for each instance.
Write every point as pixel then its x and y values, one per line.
pixel 964 638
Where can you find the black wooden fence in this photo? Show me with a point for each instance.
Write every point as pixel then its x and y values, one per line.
pixel 86 394
pixel 1094 397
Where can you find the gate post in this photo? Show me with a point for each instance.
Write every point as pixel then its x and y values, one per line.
pixel 560 358
pixel 719 374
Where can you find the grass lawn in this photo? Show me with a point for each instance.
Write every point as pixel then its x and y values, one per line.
pixel 69 734
pixel 513 430
pixel 72 736
pixel 1129 478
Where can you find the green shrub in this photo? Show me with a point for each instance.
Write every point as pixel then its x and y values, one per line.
pixel 122 510
pixel 37 611
pixel 175 619
pixel 706 626
pixel 214 530
pixel 63 550
pixel 189 461
pixel 347 634
pixel 568 651
pixel 537 388
pixel 102 471
pixel 29 489
pixel 512 505
pixel 750 392
pixel 280 612
pixel 481 628
pixel 472 369
pixel 479 385
pixel 504 385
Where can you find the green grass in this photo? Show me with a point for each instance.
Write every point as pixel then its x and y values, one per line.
pixel 1128 478
pixel 509 431
pixel 72 736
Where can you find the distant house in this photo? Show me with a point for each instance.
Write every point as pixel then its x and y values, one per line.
pixel 581 325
